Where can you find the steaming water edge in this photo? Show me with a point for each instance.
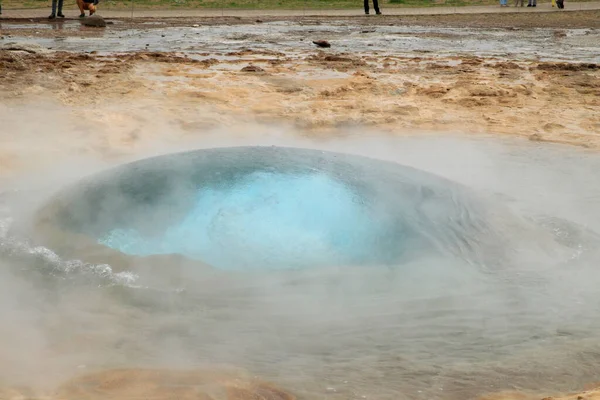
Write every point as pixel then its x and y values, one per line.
pixel 433 327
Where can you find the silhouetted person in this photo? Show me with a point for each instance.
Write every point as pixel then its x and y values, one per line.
pixel 56 6
pixel 532 3
pixel 375 6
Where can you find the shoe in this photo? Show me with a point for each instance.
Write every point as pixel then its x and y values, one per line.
pixel 52 16
pixel 82 15
pixel 378 13
pixel 366 13
pixel 60 15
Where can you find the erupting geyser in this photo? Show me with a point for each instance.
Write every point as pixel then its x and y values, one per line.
pixel 269 207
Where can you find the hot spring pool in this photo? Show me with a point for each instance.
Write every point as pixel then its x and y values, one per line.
pixel 274 208
pixel 335 276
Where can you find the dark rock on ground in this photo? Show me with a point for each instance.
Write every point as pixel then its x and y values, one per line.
pixel 322 43
pixel 94 20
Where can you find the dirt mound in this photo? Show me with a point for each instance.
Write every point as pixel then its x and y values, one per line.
pixel 587 395
pixel 125 384
pixel 568 66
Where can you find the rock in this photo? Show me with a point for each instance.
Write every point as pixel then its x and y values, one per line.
pixel 94 20
pixel 322 43
pixel 559 34
pixel 252 68
pixel 536 137
pixel 26 47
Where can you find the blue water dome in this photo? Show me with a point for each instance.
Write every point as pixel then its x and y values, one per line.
pixel 247 208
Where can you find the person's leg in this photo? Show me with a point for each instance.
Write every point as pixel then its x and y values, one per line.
pixel 60 6
pixel 92 8
pixel 80 5
pixel 376 6
pixel 53 15
pixel 366 6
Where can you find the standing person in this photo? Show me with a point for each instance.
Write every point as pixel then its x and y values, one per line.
pixel 86 5
pixel 56 3
pixel 375 6
pixel 560 4
pixel 532 3
pixel 503 3
pixel 519 1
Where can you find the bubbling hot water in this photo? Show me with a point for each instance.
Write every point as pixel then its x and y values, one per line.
pixel 273 208
pixel 270 220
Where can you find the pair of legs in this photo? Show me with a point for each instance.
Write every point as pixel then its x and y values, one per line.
pixel 375 6
pixel 532 3
pixel 86 5
pixel 503 3
pixel 56 6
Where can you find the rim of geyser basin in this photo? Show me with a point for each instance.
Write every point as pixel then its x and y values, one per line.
pixel 78 245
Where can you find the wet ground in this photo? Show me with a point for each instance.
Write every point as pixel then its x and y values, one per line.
pixel 574 45
pixel 432 95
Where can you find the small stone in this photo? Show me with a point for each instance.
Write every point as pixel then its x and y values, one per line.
pixel 322 43
pixel 195 26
